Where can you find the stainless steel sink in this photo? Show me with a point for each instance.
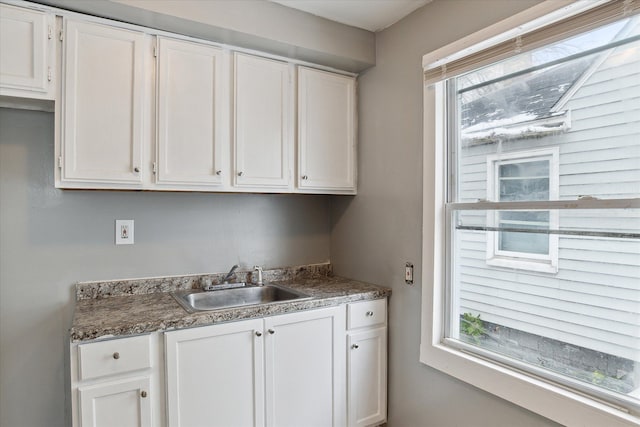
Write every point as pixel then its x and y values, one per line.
pixel 198 300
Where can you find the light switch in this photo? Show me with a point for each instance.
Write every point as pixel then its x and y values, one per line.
pixel 124 232
pixel 408 273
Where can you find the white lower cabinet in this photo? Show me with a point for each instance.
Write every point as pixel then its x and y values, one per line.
pixel 314 368
pixel 367 363
pixel 123 403
pixel 215 375
pixel 117 383
pixel 285 370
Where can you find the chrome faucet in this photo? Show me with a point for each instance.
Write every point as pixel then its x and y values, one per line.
pixel 230 274
pixel 259 270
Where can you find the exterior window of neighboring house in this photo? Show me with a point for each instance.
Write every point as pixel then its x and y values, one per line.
pixel 531 249
pixel 521 176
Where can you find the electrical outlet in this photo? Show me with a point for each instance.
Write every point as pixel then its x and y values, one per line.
pixel 408 273
pixel 124 232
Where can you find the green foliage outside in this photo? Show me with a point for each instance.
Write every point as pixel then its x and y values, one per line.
pixel 472 326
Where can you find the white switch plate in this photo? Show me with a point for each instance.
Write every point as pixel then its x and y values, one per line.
pixel 124 232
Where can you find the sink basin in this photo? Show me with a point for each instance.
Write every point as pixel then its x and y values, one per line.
pixel 193 301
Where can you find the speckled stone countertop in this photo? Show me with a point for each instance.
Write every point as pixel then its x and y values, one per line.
pixel 129 307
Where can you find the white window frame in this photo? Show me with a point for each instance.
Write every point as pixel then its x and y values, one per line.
pixel 544 263
pixel 535 393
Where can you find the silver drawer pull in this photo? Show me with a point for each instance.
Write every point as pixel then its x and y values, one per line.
pixel 355 346
pixel 116 355
pixel 143 393
pixel 369 313
pixel 271 331
pixel 258 333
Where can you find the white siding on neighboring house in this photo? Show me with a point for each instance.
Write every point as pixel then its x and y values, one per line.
pixel 593 300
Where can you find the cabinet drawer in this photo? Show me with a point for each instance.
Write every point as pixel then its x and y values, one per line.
pixel 367 313
pixel 113 357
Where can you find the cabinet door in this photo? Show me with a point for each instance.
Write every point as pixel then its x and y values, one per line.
pixel 367 371
pixel 305 369
pixel 215 375
pixel 103 105
pixel 26 50
pixel 123 403
pixel 326 132
pixel 190 120
pixel 262 122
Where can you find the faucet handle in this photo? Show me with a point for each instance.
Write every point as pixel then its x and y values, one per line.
pixel 259 270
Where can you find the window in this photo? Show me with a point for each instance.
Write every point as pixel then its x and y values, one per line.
pixel 522 176
pixel 532 212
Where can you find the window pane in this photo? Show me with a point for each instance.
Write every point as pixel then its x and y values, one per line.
pixel 582 322
pixel 535 243
pixel 586 108
pixel 525 169
pixel 552 290
pixel 524 189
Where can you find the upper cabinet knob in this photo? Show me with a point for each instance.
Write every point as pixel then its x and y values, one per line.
pixel 239 173
pixel 305 177
pixel 136 169
pixel 369 313
pixel 218 173
pixel 116 355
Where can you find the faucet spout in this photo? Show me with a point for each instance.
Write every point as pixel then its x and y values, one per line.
pixel 230 274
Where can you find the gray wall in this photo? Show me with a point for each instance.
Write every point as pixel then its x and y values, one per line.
pixel 52 238
pixel 374 233
pixel 252 24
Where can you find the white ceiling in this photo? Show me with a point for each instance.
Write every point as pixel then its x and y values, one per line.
pixel 372 15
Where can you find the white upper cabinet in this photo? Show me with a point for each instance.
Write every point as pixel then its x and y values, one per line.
pixel 263 123
pixel 190 102
pixel 27 53
pixel 326 132
pixel 145 111
pixel 103 134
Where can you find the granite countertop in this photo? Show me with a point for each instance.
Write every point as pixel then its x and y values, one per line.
pixel 129 307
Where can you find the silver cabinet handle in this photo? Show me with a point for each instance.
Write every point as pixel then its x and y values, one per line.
pixel 305 177
pixel 271 331
pixel 239 173
pixel 136 169
pixel 369 313
pixel 143 393
pixel 258 333
pixel 355 346
pixel 116 355
pixel 218 173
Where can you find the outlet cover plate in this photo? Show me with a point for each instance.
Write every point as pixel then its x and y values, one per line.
pixel 124 232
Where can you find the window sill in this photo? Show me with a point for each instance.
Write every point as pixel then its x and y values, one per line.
pixel 535 394
pixel 521 264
